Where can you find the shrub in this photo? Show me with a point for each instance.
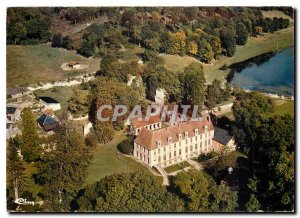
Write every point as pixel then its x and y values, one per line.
pixel 105 132
pixel 224 67
pixel 91 140
pixel 126 146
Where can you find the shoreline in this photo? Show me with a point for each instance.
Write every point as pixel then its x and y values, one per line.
pixel 254 47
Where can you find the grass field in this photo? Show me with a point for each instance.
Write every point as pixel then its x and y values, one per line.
pixel 177 167
pixel 177 63
pixel 107 161
pixel 285 108
pixel 41 63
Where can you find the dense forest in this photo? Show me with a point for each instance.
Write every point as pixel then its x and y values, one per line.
pixel 204 33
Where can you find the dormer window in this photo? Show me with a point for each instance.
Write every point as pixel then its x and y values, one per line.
pixel 180 137
pixel 205 128
pixel 169 140
pixel 186 135
pixel 196 131
pixel 158 143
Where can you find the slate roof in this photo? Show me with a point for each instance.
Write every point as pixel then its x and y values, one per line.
pixel 148 138
pixel 18 90
pixel 47 122
pixel 222 136
pixel 10 110
pixel 49 100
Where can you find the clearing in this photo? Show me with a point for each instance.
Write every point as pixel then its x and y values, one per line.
pixel 32 64
pixel 108 160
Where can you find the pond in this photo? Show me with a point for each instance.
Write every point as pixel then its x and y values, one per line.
pixel 270 72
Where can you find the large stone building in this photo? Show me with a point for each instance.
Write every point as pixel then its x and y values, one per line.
pixel 171 145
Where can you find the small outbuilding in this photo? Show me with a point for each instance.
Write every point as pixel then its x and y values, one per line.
pixel 17 92
pixel 74 64
pixel 50 103
pixel 47 123
pixel 222 138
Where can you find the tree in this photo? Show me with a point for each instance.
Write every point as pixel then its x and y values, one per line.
pixel 62 170
pixel 66 43
pixel 253 205
pixel 177 43
pixel 201 193
pixel 104 132
pixel 193 84
pixel 193 48
pixel 126 146
pixel 133 192
pixel 30 140
pixel 91 140
pixel 258 30
pixel 15 169
pixel 56 41
pixel 241 34
pixel 213 94
pixel 79 102
pixel 228 41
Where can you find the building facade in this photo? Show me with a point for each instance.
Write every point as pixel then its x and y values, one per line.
pixel 174 144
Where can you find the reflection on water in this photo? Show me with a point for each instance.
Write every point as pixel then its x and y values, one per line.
pixel 271 72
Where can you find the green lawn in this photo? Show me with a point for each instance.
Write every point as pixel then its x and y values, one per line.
pixel 40 63
pixel 177 167
pixel 133 53
pixel 108 161
pixel 177 63
pixel 285 108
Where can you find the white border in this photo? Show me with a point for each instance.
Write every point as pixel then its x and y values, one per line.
pixel 35 3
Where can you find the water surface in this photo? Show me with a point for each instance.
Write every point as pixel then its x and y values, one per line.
pixel 271 73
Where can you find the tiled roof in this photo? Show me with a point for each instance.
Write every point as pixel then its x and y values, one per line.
pixel 139 124
pixel 148 138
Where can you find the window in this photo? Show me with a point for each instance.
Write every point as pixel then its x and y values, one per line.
pixel 169 140
pixel 159 159
pixel 165 157
pixel 195 146
pixel 191 148
pixel 196 131
pixel 158 144
pixel 164 148
pixel 174 153
pixel 158 150
pixel 186 135
pixel 196 138
pixel 170 155
pixel 191 139
pixel 175 145
pixel 179 151
pixel 180 137
pixel 186 150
